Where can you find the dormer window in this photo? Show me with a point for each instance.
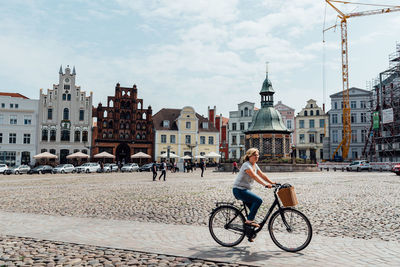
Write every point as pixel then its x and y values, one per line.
pixel 205 125
pixel 166 123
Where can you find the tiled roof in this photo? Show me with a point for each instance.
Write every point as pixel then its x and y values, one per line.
pixel 225 121
pixel 13 95
pixel 172 115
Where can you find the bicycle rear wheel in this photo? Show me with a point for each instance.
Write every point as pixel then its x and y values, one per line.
pixel 226 226
pixel 290 230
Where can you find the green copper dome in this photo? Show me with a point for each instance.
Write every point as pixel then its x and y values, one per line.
pixel 267 119
pixel 267 86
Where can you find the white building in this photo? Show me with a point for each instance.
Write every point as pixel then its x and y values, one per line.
pixel 239 122
pixel 18 133
pixel 65 118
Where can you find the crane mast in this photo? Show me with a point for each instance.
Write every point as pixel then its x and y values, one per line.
pixel 346 136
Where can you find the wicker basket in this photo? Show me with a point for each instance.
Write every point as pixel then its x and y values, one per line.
pixel 288 196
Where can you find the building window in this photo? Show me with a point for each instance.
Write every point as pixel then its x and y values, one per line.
pixel 334 136
pixel 188 125
pixel 12 138
pixel 363 117
pixel 67 87
pixel 11 105
pixel 353 118
pixel 248 125
pixel 45 134
pixel 77 136
pixel 1 138
pixel 187 139
pixel 27 120
pixel 301 126
pixel 66 114
pixel 363 104
pixel 205 125
pixel 305 112
pixel 81 115
pixel 241 113
pixel 172 139
pixel 27 138
pixel 3 105
pixel 163 139
pixel 321 123
pixel 311 138
pixel 13 119
pixel 84 136
pixel 289 124
pixel 242 126
pixel 242 139
pixel 64 97
pixel 301 139
pixel 246 112
pixel 166 124
pixel 363 134
pixel 50 114
pixel 312 124
pixel 202 140
pixel 321 138
pixel 233 126
pixel 311 112
pixel 334 119
pixel 211 140
pixel 52 135
pixel 354 153
pixel 317 112
pixel 353 104
pixel 65 135
pixel 335 105
pixel 354 136
pixel 234 140
pixel 69 97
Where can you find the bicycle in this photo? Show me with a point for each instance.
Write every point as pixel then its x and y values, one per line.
pixel 289 229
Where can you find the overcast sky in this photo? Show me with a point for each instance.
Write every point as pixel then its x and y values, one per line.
pixel 190 53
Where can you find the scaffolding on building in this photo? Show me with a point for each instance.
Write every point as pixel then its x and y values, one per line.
pixel 383 141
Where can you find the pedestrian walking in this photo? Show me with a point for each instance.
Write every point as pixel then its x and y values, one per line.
pixel 235 167
pixel 163 168
pixel 202 167
pixel 185 166
pixel 154 170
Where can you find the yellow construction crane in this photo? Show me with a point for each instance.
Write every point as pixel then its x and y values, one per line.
pixel 345 143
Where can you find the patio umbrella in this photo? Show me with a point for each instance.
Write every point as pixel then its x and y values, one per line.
pixel 186 157
pixel 139 156
pixel 171 155
pixel 212 155
pixel 104 155
pixel 78 155
pixel 45 155
pixel 199 157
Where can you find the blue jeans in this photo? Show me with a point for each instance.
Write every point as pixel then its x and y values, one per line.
pixel 251 200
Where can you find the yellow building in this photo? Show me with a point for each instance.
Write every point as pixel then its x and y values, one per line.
pixel 183 132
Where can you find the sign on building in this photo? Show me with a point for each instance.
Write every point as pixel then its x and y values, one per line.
pixel 376 120
pixel 387 115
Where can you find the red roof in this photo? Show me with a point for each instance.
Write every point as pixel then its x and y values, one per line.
pixel 13 95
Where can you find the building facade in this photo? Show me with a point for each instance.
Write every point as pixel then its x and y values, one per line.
pixel 311 128
pixel 65 117
pixel 124 126
pixel 287 114
pixel 221 124
pixel 239 122
pixel 18 134
pixel 360 121
pixel 184 132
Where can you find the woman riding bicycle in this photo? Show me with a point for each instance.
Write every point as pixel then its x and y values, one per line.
pixel 250 172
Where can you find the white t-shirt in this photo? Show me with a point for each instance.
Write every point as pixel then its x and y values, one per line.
pixel 243 180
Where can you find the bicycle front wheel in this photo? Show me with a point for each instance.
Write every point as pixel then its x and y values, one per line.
pixel 290 229
pixel 226 226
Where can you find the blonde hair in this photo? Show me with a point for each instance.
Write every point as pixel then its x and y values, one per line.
pixel 250 152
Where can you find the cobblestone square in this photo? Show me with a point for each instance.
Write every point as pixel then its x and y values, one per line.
pixel 352 206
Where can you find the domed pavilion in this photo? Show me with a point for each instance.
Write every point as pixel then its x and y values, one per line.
pixel 267 132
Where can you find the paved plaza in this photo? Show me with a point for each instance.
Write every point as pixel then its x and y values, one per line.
pixel 126 219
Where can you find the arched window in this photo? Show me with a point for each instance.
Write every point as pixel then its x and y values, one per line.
pixel 66 114
pixel 77 136
pixel 45 134
pixel 53 134
pixel 110 134
pixel 128 116
pixel 144 116
pixel 126 125
pixel 128 93
pixel 143 126
pixel 317 111
pixel 143 136
pixel 241 113
pixel 111 104
pixel 104 135
pixel 84 136
pixel 140 105
pixel 138 126
pixel 305 112
pixel 121 135
pixel 246 112
pixel 65 135
pixel 121 125
pixel 126 136
pixel 311 112
pixel 104 124
pixel 110 124
pixel 138 136
pixel 105 114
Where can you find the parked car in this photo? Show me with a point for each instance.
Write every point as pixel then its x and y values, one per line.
pixel 18 169
pixel 129 167
pixel 41 169
pixel 396 169
pixel 64 168
pixel 110 167
pixel 3 167
pixel 88 167
pixel 146 167
pixel 359 165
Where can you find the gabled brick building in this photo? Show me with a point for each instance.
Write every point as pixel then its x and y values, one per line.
pixel 123 127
